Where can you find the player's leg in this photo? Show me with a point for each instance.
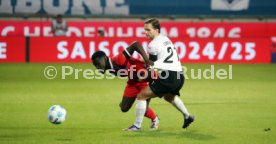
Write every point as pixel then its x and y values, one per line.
pixel 127 102
pixel 174 99
pixel 149 112
pixel 130 94
pixel 159 88
pixel 154 118
pixel 141 106
pixel 178 104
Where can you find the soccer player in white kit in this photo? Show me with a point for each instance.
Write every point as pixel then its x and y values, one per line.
pixel 170 78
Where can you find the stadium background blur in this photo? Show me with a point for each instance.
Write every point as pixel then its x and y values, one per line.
pixel 241 33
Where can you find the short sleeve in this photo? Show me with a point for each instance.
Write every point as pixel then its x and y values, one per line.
pixel 64 23
pixel 152 50
pixel 121 59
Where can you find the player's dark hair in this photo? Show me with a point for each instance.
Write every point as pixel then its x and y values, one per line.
pixel 59 16
pixel 97 56
pixel 154 22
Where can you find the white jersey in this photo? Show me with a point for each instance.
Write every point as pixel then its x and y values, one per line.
pixel 59 28
pixel 167 57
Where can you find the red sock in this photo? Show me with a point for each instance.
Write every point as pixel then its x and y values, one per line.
pixel 150 114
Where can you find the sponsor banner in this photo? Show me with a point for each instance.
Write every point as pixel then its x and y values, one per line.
pixel 243 50
pixel 62 49
pixel 65 7
pixel 229 5
pixel 12 49
pixel 136 29
pixel 141 7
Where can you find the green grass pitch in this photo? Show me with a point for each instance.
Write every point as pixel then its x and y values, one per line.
pixel 237 111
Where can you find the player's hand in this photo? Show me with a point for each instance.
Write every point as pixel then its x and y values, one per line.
pixel 149 63
pixel 150 69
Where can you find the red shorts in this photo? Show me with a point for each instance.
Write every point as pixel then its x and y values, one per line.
pixel 132 90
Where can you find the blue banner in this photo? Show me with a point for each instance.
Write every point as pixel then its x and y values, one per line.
pixel 140 7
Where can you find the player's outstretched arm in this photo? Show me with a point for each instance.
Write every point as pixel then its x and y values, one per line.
pixel 136 46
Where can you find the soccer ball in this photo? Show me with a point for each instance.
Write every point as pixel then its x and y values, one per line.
pixel 56 114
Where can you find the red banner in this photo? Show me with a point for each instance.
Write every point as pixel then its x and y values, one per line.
pixel 62 49
pixel 196 42
pixel 136 30
pixel 12 49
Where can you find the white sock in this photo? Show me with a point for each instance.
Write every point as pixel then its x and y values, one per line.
pixel 140 112
pixel 177 102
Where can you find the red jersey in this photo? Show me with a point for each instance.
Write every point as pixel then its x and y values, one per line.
pixel 130 67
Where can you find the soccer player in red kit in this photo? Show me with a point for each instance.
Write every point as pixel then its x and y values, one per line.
pixel 123 64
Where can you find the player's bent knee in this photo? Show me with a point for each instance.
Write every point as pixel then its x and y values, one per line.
pixel 169 98
pixel 145 94
pixel 141 96
pixel 124 109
